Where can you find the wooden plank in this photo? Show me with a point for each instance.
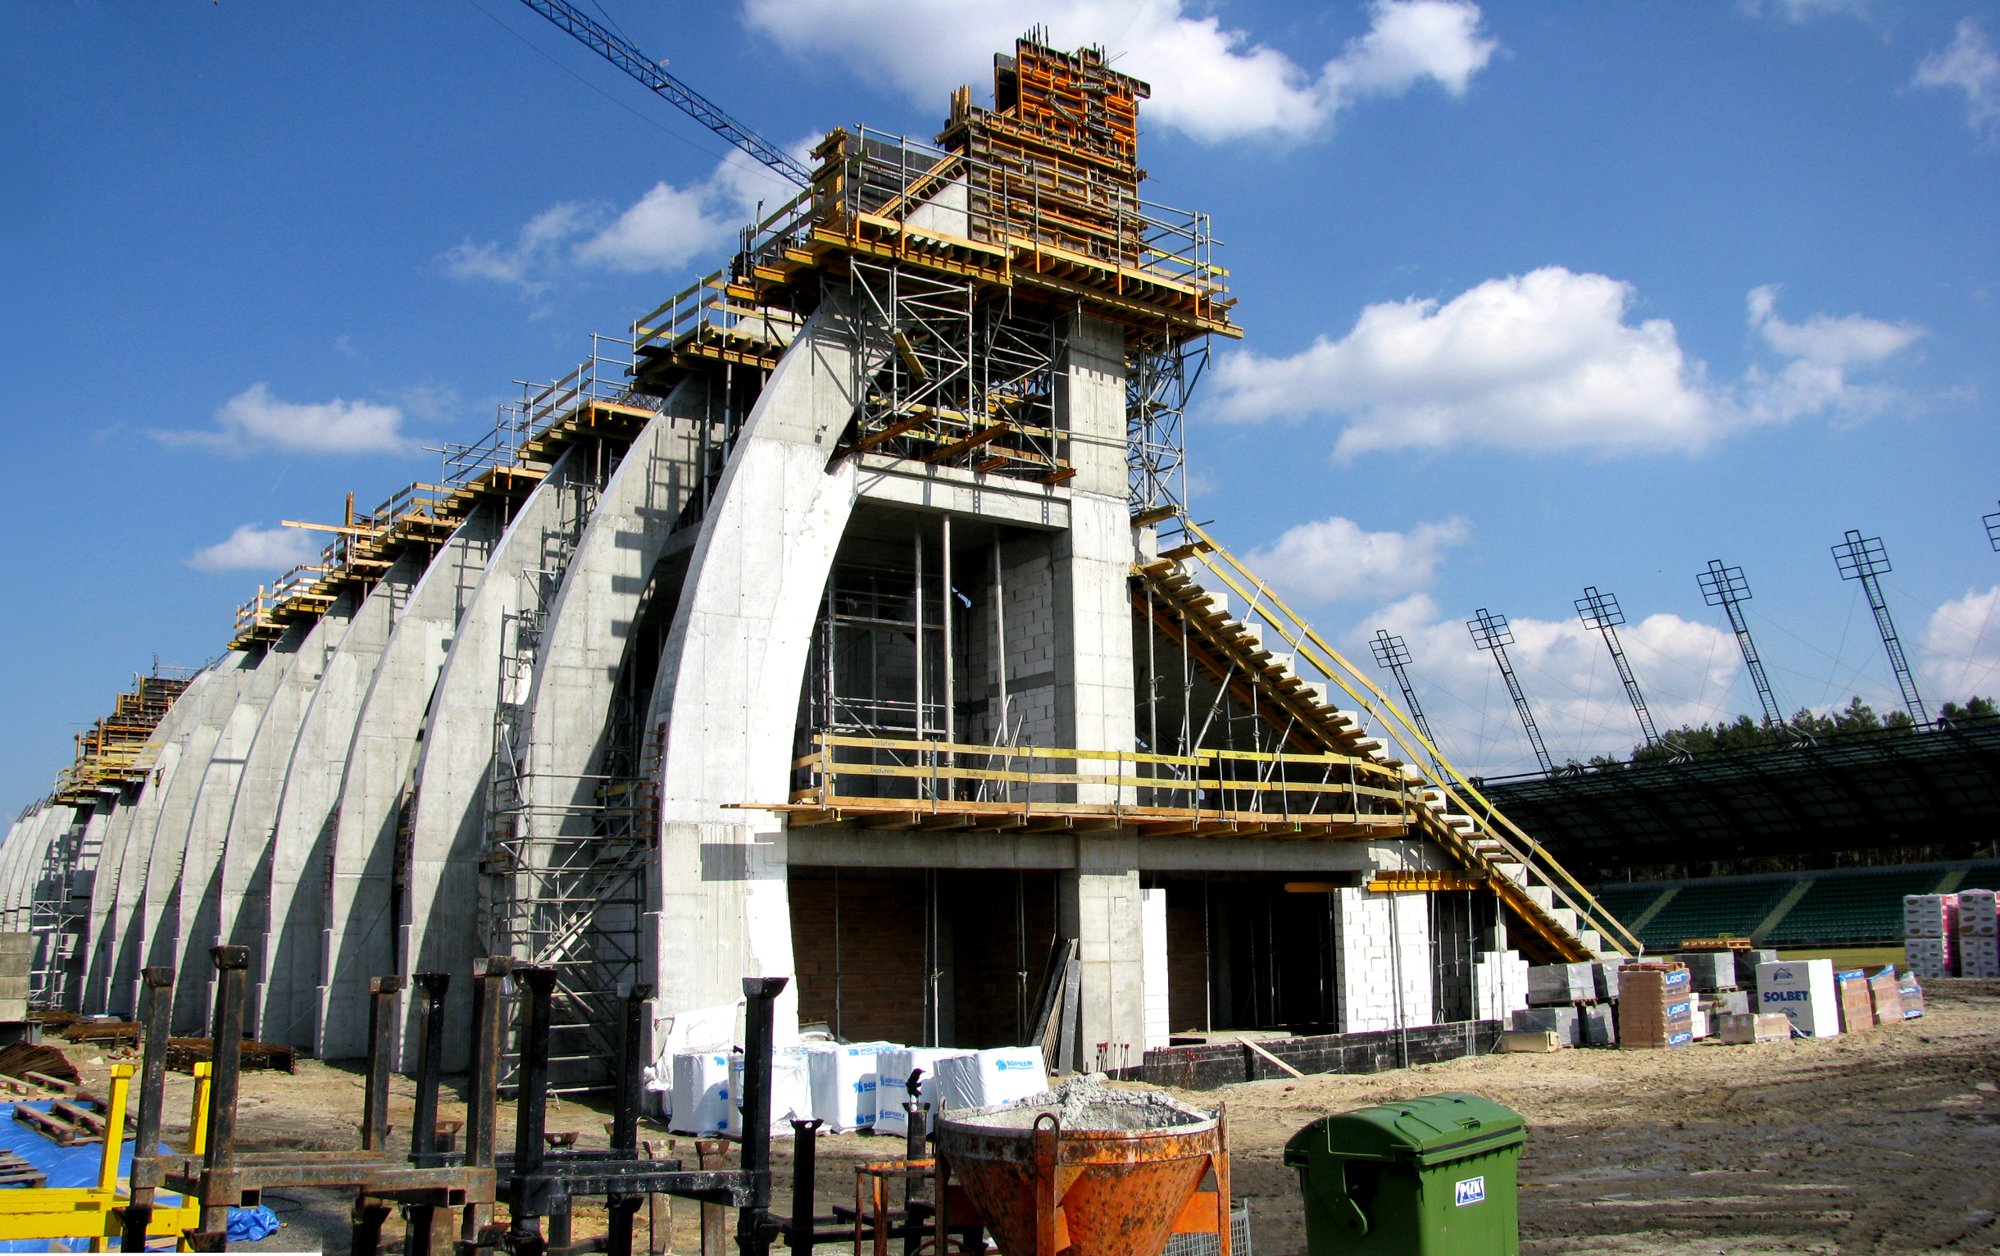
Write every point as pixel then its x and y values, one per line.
pixel 1272 1058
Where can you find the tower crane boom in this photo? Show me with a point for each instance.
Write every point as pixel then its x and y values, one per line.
pixel 653 74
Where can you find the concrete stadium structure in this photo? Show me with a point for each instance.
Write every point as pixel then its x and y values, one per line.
pixel 844 624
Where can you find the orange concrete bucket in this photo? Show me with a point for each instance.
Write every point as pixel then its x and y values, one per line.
pixel 1042 1189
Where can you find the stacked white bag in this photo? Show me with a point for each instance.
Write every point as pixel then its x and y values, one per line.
pixel 701 1093
pixel 892 1070
pixel 791 1089
pixel 843 1083
pixel 989 1078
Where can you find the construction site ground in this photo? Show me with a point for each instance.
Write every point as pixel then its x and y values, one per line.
pixel 1884 1141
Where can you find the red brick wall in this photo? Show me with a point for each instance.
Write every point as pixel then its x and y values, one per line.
pixel 880 955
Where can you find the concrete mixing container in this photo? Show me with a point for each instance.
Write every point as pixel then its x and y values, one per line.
pixel 1416 1178
pixel 1042 1188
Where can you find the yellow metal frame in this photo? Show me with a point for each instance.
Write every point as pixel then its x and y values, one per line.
pixel 97 1212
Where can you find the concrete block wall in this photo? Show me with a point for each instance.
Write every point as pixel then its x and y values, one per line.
pixel 1384 962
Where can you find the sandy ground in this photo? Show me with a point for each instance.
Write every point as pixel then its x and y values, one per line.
pixel 1873 1143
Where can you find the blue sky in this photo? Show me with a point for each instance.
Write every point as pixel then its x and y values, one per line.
pixel 1538 296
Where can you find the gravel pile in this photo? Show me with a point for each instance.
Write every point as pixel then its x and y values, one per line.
pixel 1087 1103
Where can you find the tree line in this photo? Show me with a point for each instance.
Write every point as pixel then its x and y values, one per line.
pixel 1805 728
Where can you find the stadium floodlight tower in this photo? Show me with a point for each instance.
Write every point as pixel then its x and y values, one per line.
pixel 1726 587
pixel 1391 653
pixel 1600 614
pixel 1490 633
pixel 1863 558
pixel 1992 523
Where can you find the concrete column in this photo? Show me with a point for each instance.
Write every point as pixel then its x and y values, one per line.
pixel 1093 614
pixel 212 901
pixel 283 917
pixel 199 885
pixel 729 676
pixel 1100 906
pixel 456 752
pixel 359 940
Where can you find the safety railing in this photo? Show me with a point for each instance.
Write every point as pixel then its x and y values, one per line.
pixel 1458 793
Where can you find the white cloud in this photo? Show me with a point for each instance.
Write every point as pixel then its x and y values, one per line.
pixel 1550 360
pixel 255 420
pixel 251 548
pixel 1960 649
pixel 1799 11
pixel 664 230
pixel 1334 559
pixel 1212 83
pixel 1968 64
pixel 1685 671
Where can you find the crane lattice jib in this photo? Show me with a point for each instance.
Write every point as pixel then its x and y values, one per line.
pixel 676 93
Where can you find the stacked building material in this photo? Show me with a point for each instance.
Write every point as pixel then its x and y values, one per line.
pixel 1573 1001
pixel 1655 1006
pixel 1804 991
pixel 1747 962
pixel 1978 933
pixel 1852 997
pixel 1885 994
pixel 1553 985
pixel 1930 925
pixel 1598 1023
pixel 1911 994
pixel 1562 1021
pixel 1710 971
pixel 1744 1029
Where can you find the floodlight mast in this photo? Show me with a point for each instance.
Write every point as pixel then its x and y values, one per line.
pixel 1992 523
pixel 1393 654
pixel 1601 614
pixel 1726 587
pixel 1863 558
pixel 1490 633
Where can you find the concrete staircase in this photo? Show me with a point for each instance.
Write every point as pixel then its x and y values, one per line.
pixel 1558 916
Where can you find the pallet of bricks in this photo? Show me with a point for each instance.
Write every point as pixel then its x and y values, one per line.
pixel 1952 935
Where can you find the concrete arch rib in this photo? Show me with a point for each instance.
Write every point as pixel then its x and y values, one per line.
pixel 129 930
pixel 259 734
pixel 728 685
pixel 84 879
pixel 215 735
pixel 358 941
pixel 23 854
pixel 283 915
pixel 447 829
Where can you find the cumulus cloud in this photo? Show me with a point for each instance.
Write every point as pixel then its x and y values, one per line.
pixel 1550 360
pixel 1335 559
pixel 1210 82
pixel 255 420
pixel 1960 648
pixel 664 230
pixel 1685 670
pixel 251 548
pixel 1969 64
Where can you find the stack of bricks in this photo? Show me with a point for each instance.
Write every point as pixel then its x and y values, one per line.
pixel 1978 933
pixel 1715 977
pixel 1930 924
pixel 1655 1006
pixel 1885 994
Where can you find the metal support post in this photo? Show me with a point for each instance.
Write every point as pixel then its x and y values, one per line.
pixel 156 1001
pixel 622 1209
pixel 428 1228
pixel 805 1168
pixel 530 1112
pixel 482 1098
pixel 232 965
pixel 753 1236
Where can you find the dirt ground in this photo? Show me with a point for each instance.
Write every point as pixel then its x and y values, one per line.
pixel 1881 1142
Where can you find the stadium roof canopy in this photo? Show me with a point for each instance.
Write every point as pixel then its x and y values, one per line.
pixel 1937 788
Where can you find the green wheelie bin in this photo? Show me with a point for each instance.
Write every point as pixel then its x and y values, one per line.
pixel 1420 1177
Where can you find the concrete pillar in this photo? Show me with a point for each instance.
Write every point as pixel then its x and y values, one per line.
pixel 358 936
pixel 729 676
pixel 213 902
pixel 199 886
pixel 455 756
pixel 1100 906
pixel 284 917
